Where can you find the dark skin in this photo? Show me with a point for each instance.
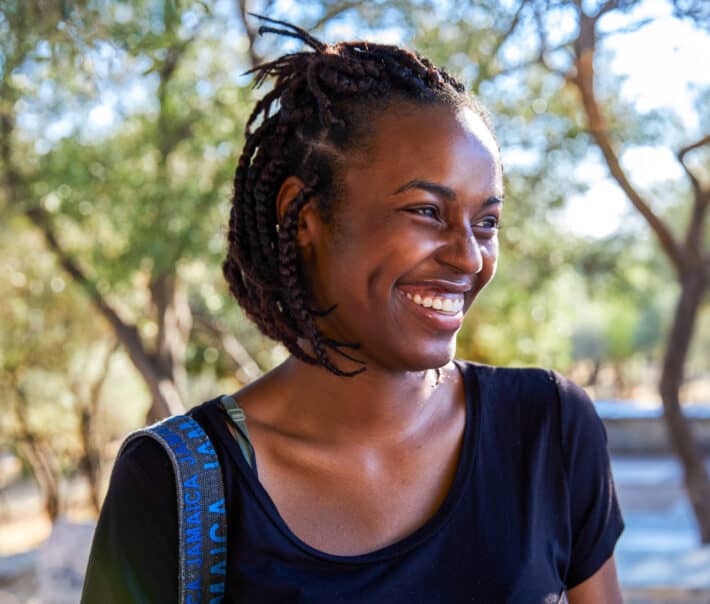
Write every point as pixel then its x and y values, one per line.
pixel 342 457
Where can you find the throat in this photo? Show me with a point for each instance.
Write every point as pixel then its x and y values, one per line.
pixel 374 405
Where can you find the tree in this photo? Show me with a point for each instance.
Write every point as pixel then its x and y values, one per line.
pixel 686 252
pixel 87 394
pixel 37 347
pixel 152 202
pixel 134 212
pixel 58 195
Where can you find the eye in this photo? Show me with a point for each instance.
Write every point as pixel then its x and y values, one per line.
pixel 426 212
pixel 489 223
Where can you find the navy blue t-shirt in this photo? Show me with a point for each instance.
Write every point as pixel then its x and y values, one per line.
pixel 531 513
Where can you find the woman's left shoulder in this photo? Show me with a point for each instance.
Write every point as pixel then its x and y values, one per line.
pixel 578 414
pixel 532 392
pixel 528 386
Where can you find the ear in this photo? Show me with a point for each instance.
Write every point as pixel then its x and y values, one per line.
pixel 308 219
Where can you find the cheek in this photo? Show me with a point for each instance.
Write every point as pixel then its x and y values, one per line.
pixel 489 251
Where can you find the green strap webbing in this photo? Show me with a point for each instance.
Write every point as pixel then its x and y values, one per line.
pixel 239 419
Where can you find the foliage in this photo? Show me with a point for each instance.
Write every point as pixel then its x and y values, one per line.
pixel 121 127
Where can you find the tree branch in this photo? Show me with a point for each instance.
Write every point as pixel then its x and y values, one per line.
pixel 597 125
pixel 627 29
pixel 334 12
pixel 483 72
pixel 87 406
pixel 167 139
pixel 538 59
pixel 702 142
pixel 232 347
pixel 164 394
pixel 544 50
pixel 38 454
pixel 681 158
pixel 87 396
pixel 513 25
pixel 174 319
pixel 701 201
pixel 668 243
pixel 608 6
pixel 254 58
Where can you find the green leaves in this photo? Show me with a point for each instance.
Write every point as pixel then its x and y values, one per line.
pixel 145 191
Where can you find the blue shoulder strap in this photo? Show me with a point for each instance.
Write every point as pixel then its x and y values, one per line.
pixel 202 517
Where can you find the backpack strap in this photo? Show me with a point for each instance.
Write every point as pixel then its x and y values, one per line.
pixel 239 421
pixel 202 519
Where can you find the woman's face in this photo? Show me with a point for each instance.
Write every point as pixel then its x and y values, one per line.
pixel 413 239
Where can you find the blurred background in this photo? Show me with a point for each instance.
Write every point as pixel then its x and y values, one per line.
pixel 120 127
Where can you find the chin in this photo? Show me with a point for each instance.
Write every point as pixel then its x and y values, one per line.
pixel 428 357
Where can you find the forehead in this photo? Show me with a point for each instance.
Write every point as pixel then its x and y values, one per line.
pixel 448 145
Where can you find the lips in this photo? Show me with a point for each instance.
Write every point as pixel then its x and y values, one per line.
pixel 437 285
pixel 440 309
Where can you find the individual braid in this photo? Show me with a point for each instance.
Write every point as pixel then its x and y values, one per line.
pixel 317 111
pixel 295 293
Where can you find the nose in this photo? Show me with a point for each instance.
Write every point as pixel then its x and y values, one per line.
pixel 462 252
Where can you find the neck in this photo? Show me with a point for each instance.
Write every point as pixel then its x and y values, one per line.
pixel 376 404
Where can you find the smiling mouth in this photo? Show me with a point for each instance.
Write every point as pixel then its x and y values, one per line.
pixel 439 309
pixel 447 304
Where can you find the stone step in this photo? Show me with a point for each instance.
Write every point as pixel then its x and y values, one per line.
pixel 666 596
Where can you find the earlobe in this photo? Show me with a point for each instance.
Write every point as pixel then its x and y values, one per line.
pixel 308 227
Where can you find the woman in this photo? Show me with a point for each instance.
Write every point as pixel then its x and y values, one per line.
pixel 364 223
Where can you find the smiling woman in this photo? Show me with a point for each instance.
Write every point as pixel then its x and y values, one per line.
pixel 367 203
pixel 410 221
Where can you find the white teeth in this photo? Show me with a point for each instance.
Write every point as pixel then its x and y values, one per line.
pixel 443 304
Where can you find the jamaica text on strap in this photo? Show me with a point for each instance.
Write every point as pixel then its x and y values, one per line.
pixel 201 513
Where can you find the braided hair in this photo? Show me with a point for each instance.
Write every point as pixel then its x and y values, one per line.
pixel 319 109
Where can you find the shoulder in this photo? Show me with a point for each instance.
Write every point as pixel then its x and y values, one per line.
pixel 536 399
pixel 575 404
pixel 134 551
pixel 143 459
pixel 583 434
pixel 515 390
pixel 531 386
pixel 524 380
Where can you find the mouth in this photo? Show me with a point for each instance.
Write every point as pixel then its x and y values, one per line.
pixel 439 309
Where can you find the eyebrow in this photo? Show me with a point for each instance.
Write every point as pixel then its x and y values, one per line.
pixel 441 190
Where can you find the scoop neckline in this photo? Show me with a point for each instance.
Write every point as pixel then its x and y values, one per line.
pixel 433 525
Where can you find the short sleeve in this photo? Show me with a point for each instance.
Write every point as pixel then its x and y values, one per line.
pixel 595 517
pixel 134 554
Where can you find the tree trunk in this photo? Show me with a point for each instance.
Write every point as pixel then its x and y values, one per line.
pixel 174 319
pixel 687 260
pixel 232 347
pixel 39 460
pixel 91 462
pixel 44 470
pixel 697 481
pixel 594 375
pixel 158 375
pixel 165 395
pixel 87 410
